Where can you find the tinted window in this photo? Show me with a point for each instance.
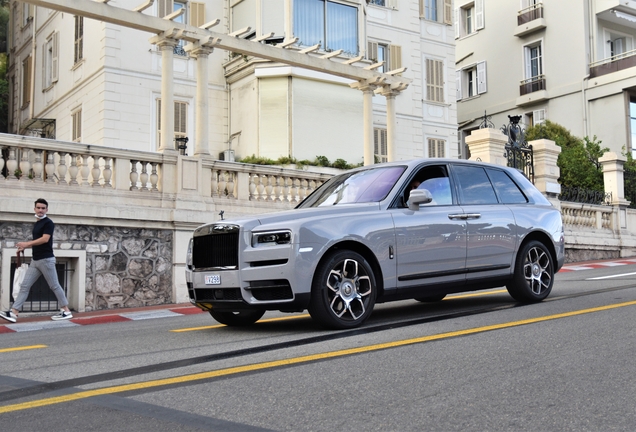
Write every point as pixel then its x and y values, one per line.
pixel 369 185
pixel 507 190
pixel 475 185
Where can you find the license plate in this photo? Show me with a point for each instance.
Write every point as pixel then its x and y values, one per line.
pixel 214 279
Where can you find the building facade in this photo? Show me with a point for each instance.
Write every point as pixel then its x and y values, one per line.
pixel 571 62
pixel 83 80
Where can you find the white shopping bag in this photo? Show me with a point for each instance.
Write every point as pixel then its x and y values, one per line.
pixel 18 276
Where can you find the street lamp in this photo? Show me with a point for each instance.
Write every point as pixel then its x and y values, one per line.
pixel 182 145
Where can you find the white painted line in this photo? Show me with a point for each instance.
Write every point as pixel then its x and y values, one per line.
pixel 149 315
pixel 578 268
pixel 41 325
pixel 612 276
pixel 612 264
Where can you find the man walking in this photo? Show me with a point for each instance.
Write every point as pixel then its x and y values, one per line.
pixel 43 263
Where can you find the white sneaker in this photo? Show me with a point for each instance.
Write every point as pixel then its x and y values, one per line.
pixel 62 315
pixel 9 316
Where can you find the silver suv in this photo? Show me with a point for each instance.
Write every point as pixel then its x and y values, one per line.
pixel 420 229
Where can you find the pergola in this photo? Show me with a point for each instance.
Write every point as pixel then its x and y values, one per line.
pixel 201 42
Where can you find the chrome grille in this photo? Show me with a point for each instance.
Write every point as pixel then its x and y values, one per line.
pixel 216 250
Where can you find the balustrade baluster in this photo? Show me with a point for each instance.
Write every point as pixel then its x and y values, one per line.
pixel 143 178
pixel 25 165
pixel 295 189
pixel 278 190
pixel 154 177
pixel 73 170
pixel 85 170
pixel 287 189
pixel 133 175
pixel 302 193
pixel 12 164
pixel 38 167
pixel 260 187
pixel 269 187
pixel 253 178
pixel 230 185
pixel 222 183
pixel 107 173
pixel 96 172
pixel 1 160
pixel 61 169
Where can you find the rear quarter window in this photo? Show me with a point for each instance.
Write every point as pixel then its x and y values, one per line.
pixel 506 189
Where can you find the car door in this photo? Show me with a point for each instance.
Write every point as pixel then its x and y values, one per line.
pixel 490 225
pixel 431 241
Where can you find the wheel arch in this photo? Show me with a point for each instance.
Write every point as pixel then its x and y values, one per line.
pixel 544 239
pixel 366 253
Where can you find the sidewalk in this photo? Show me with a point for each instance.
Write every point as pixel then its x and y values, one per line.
pixel 39 321
pixel 30 321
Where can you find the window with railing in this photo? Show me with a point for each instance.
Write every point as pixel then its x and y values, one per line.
pixel 535 80
pixel 530 10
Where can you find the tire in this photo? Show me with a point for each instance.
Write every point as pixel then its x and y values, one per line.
pixel 237 319
pixel 534 274
pixel 431 298
pixel 343 291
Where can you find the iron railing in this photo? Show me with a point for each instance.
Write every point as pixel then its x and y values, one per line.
pixel 530 14
pixel 531 85
pixel 585 196
pixel 519 153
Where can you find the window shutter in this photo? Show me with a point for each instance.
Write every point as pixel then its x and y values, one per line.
pixel 479 14
pixel 180 118
pixel 372 52
pixel 395 57
pixel 31 11
pixel 459 84
pixel 55 58
pixel 482 85
pixel 164 8
pixel 197 14
pixel 456 20
pixel 448 12
pixel 44 66
pixel 538 117
pixel 422 8
pixel 391 4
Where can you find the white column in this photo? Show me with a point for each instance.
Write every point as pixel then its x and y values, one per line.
pixel 166 45
pixel 201 137
pixel 390 119
pixel 367 100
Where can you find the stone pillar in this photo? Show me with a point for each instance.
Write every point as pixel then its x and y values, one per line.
pixel 166 44
pixel 546 170
pixel 488 145
pixel 613 177
pixel 390 120
pixel 367 95
pixel 201 137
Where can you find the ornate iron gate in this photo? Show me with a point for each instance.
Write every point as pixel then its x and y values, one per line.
pixel 518 153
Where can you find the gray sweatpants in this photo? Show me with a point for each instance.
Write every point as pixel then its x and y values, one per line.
pixel 46 268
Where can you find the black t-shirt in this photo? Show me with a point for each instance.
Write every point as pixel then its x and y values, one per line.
pixel 41 227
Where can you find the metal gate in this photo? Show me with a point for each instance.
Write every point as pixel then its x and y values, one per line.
pixel 518 153
pixel 41 298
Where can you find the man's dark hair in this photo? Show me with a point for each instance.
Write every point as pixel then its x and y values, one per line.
pixel 41 201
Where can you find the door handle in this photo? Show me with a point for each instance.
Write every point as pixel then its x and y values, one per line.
pixel 464 216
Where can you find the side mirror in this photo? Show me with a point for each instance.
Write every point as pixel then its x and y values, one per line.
pixel 419 196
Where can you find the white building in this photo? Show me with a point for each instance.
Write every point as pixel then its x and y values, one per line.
pixel 571 62
pixel 100 83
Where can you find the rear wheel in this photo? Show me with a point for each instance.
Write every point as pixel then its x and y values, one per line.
pixel 534 274
pixel 343 291
pixel 237 319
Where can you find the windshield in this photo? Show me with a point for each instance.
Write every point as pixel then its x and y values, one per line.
pixel 370 185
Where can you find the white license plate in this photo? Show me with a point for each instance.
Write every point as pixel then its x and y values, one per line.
pixel 213 279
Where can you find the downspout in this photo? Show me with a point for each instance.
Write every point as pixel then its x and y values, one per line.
pixel 590 58
pixel 32 89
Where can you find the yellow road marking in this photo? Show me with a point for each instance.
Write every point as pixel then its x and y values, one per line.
pixel 296 360
pixel 307 315
pixel 22 348
pixel 223 325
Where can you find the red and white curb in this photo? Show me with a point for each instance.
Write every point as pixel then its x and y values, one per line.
pixel 47 323
pixel 597 265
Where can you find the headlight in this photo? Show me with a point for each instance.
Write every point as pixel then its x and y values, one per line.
pixel 189 255
pixel 271 238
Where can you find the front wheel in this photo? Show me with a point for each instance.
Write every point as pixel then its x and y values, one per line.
pixel 237 319
pixel 343 291
pixel 534 274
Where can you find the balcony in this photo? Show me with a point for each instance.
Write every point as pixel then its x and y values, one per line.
pixel 530 20
pixel 613 64
pixel 532 90
pixel 621 12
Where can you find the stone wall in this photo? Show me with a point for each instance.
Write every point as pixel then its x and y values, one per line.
pixel 125 267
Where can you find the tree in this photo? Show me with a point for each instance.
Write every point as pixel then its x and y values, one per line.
pixel 578 160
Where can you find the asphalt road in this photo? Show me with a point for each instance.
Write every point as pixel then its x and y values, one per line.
pixel 476 361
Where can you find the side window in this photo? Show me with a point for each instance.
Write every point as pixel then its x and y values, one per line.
pixel 506 189
pixel 475 186
pixel 435 180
